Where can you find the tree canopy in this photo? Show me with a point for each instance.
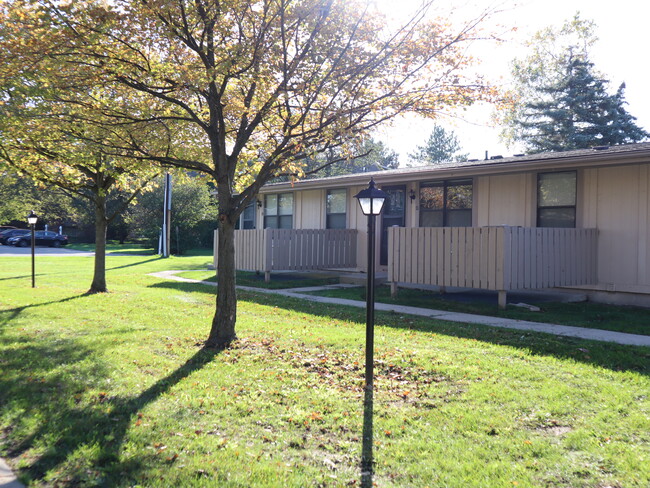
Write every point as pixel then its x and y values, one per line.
pixel 241 91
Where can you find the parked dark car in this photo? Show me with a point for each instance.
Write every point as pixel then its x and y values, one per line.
pixel 42 237
pixel 7 233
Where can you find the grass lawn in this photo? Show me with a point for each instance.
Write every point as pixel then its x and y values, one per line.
pixel 115 390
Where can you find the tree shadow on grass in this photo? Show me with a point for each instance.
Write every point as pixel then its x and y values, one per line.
pixel 608 355
pixel 10 314
pixel 158 258
pixel 47 380
pixel 19 277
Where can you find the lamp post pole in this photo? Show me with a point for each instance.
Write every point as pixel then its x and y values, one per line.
pixel 370 304
pixel 31 220
pixel 371 201
pixel 33 260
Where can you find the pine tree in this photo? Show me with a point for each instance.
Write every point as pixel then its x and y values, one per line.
pixel 442 146
pixel 621 126
pixel 577 112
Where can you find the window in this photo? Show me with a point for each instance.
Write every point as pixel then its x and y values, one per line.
pixel 278 211
pixel 247 218
pixel 336 209
pixel 446 204
pixel 556 199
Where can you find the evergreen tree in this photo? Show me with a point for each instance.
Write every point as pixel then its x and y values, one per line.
pixel 577 112
pixel 442 146
pixel 621 126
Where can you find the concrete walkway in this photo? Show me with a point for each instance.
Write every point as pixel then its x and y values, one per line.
pixel 7 478
pixel 560 330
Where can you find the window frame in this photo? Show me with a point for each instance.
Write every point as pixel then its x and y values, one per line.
pixel 277 216
pixel 541 208
pixel 329 214
pixel 445 210
pixel 243 220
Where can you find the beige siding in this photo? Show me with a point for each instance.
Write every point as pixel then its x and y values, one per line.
pixel 309 209
pixel 617 200
pixel 504 200
pixel 644 225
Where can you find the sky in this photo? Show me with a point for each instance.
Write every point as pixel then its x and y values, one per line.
pixel 621 54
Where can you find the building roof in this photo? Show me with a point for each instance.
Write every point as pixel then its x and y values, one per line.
pixel 548 161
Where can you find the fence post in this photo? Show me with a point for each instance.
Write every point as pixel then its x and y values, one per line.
pixel 267 255
pixel 502 299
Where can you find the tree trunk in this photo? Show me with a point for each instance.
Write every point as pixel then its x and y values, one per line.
pixel 223 323
pixel 99 277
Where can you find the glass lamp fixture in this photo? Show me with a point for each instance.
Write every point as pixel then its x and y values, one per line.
pixel 371 199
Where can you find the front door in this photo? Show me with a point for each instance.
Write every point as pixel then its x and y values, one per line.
pixel 392 215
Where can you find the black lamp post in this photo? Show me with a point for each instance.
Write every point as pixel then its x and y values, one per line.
pixel 371 201
pixel 32 218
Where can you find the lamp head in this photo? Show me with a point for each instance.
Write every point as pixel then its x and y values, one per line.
pixel 371 199
pixel 32 218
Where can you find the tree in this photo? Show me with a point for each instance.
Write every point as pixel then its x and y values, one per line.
pixel 77 170
pixel 247 91
pixel 562 102
pixel 54 147
pixel 442 146
pixel 576 112
pixel 54 126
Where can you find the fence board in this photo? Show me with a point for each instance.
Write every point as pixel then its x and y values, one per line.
pixel 307 249
pixel 494 258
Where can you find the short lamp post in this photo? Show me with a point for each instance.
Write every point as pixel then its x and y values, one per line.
pixel 32 218
pixel 371 201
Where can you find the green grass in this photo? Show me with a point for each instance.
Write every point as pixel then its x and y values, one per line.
pixel 632 320
pixel 115 390
pixel 256 280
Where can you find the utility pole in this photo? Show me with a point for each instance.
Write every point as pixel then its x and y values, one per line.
pixel 165 238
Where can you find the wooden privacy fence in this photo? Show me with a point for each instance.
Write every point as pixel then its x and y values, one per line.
pixel 492 258
pixel 293 249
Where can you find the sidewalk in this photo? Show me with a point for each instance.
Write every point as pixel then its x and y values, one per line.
pixel 560 330
pixel 7 478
